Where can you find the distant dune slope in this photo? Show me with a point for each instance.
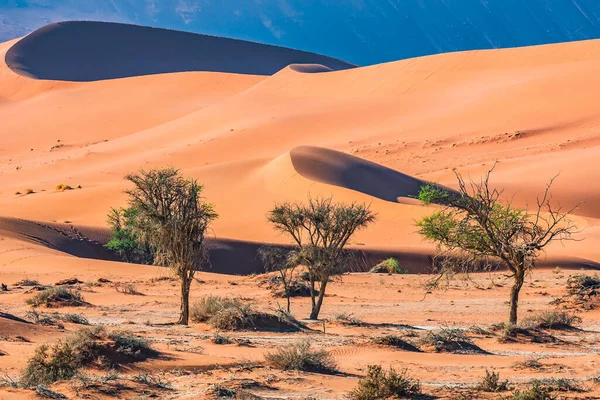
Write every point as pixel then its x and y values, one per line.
pixel 91 51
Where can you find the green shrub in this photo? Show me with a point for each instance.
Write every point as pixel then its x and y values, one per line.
pixel 492 383
pixel 390 266
pixel 551 320
pixel 56 296
pixel 125 239
pixel 92 346
pixel 48 365
pixel 380 384
pixel 430 193
pixel 301 357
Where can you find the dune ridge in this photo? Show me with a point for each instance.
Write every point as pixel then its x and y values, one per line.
pixel 85 51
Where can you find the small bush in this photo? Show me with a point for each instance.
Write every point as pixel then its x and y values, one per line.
pixel 83 348
pixel 450 340
pixel 301 357
pixel 491 383
pixel 389 266
pixel 56 297
pixel 61 187
pixel 535 392
pixel 551 320
pixel 430 193
pixel 29 191
pixel 233 318
pixel 73 318
pixel 380 384
pixel 128 288
pixel 221 339
pixel 48 365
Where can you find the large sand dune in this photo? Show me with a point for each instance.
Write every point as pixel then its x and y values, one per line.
pixel 91 51
pixel 365 134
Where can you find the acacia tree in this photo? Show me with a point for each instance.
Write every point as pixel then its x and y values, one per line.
pixel 320 231
pixel 475 230
pixel 284 262
pixel 172 217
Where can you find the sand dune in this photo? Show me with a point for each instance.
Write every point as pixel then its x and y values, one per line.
pixel 364 134
pixel 91 51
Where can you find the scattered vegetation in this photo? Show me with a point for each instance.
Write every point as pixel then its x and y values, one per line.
pixel 301 357
pixel 380 384
pixel 491 383
pixel 389 266
pixel 55 297
pixel 476 230
pixel 29 191
pixel 545 389
pixel 320 230
pixel 551 320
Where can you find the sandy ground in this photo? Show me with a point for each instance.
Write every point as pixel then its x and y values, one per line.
pixel 365 134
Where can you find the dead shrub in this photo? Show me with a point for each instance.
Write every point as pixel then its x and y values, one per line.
pixel 301 357
pixel 57 297
pixel 380 384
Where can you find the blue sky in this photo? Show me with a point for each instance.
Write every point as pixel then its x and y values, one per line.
pixel 359 31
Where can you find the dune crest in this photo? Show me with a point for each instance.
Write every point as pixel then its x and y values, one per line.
pixel 91 51
pixel 344 170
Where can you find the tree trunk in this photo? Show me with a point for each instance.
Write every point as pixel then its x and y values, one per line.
pixel 317 308
pixel 184 312
pixel 312 291
pixel 289 302
pixel 514 295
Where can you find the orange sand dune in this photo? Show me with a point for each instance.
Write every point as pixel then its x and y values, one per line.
pixel 255 140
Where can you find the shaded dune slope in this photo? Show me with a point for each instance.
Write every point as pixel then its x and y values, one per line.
pixel 91 51
pixel 344 170
pixel 227 256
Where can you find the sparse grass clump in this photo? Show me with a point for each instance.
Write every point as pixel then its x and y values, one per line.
pixel 451 340
pixel 223 313
pixel 395 341
pixel 380 384
pixel 347 319
pixel 301 357
pixel 221 339
pixel 61 187
pixel 389 266
pixel 83 348
pixel 208 306
pixel 28 282
pixel 127 288
pixel 491 383
pixel 29 191
pixel 551 320
pixel 56 297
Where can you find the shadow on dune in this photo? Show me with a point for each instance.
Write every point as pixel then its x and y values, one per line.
pixel 340 169
pixel 91 51
pixel 227 256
